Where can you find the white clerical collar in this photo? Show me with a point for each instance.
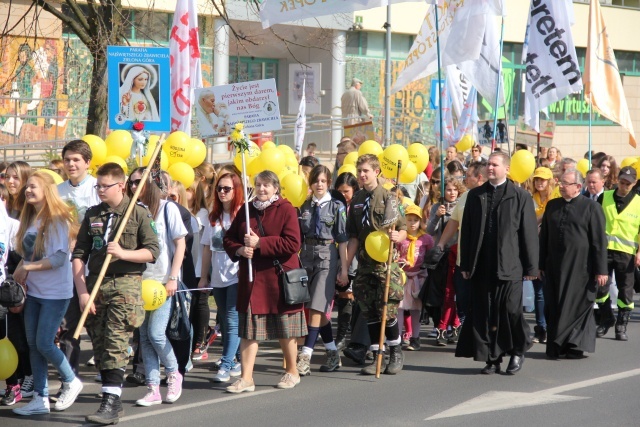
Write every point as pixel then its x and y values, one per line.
pixel 326 198
pixel 498 185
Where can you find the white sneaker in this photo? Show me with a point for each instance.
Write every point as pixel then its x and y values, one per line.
pixel 70 392
pixel 38 405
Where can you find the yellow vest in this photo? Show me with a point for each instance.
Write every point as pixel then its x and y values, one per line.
pixel 622 228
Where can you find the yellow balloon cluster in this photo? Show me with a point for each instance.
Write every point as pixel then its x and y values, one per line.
pixel 153 294
pixel 8 359
pixel 182 172
pixel 523 163
pixel 119 144
pixel 98 149
pixel 370 147
pixel 389 159
pixel 294 188
pixel 351 158
pixel 377 246
pixel 348 168
pixel 409 174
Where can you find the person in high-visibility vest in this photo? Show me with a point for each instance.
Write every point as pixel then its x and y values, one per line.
pixel 622 213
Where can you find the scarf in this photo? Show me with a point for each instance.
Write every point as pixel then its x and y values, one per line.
pixel 264 205
pixel 411 250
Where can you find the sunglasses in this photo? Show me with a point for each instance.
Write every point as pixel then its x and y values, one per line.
pixel 134 183
pixel 435 181
pixel 225 189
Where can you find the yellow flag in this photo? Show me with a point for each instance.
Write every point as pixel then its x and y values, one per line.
pixel 603 87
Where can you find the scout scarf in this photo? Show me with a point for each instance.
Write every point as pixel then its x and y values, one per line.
pixel 411 251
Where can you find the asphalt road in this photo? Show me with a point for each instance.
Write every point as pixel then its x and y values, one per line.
pixel 435 389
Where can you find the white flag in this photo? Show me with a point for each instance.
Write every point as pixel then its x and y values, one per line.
pixel 552 68
pixel 466 21
pixel 447 118
pixel 468 122
pixel 277 11
pixel 186 73
pixel 459 87
pixel 301 120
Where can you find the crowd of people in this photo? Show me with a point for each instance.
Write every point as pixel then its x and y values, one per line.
pixel 465 239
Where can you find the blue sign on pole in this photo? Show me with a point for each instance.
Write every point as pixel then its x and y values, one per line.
pixel 139 87
pixel 434 98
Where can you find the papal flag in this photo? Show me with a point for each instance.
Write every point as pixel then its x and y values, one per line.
pixel 603 87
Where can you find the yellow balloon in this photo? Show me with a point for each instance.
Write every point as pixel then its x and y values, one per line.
pixel 255 167
pixel 98 148
pixel 119 160
pixel 268 144
pixel 419 156
pixel 291 162
pixel 351 158
pixel 273 159
pixel 294 188
pixel 390 158
pixel 465 143
pixel 182 172
pixel 153 294
pixel 118 144
pixel 249 156
pixel 377 246
pixel 410 174
pixel 177 147
pixel 197 153
pixel 369 147
pixel 8 359
pixel 388 185
pixel 164 160
pixel 348 168
pixel 284 173
pixel 56 178
pixel 583 167
pixel 628 161
pixel 286 149
pixel 523 163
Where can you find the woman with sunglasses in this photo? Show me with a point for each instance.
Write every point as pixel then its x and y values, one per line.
pixel 224 277
pixel 476 155
pixel 156 347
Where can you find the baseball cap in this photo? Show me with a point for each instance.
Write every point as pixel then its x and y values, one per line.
pixel 356 81
pixel 628 173
pixel 414 210
pixel 542 172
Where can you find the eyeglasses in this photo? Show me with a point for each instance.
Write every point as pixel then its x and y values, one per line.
pixel 567 184
pixel 173 197
pixel 104 187
pixel 222 189
pixel 134 182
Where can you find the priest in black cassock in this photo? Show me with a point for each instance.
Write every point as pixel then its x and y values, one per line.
pixel 573 261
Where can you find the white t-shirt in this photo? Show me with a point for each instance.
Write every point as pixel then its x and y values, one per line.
pixel 81 197
pixel 161 269
pixel 49 284
pixel 224 272
pixel 201 218
pixel 8 230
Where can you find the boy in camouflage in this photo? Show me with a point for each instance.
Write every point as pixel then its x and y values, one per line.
pixel 376 208
pixel 118 307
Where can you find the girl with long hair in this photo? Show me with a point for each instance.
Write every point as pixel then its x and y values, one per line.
pixel 206 178
pixel 47 228
pixel 228 199
pixel 16 175
pixel 610 171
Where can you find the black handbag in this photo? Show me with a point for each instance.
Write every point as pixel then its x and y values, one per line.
pixel 12 293
pixel 295 283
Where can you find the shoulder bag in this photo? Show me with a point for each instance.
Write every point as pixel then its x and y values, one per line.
pixel 294 282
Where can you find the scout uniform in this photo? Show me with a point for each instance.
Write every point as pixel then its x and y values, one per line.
pixel 375 211
pixel 119 306
pixel 323 224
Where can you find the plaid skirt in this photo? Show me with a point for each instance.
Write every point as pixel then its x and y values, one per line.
pixel 263 327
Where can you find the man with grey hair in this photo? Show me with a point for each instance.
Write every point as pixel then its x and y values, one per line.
pixel 572 237
pixel 354 106
pixel 567 163
pixel 498 248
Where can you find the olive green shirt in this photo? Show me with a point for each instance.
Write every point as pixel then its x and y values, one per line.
pixel 139 233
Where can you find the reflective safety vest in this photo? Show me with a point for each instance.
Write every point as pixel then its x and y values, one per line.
pixel 622 228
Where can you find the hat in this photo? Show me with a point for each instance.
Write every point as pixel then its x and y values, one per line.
pixel 356 81
pixel 542 172
pixel 628 173
pixel 414 210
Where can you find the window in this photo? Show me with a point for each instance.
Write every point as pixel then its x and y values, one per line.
pixel 151 26
pixel 372 45
pixel 248 69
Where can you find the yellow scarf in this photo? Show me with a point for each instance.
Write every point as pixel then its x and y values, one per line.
pixel 411 251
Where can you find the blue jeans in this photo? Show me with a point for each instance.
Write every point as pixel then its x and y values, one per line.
pixel 156 347
pixel 226 302
pixel 539 303
pixel 42 317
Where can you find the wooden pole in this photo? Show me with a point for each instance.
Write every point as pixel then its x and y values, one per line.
pixel 386 292
pixel 121 227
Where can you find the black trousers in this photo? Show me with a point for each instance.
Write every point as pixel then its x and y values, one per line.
pixel 623 265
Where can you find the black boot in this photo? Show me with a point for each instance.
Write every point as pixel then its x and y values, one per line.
pixel 621 325
pixel 110 410
pixel 344 322
pixel 606 318
pixel 396 360
pixel 356 352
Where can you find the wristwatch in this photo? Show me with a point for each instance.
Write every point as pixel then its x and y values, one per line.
pixel 173 278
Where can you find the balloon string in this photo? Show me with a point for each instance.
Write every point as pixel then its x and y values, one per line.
pixel 193 290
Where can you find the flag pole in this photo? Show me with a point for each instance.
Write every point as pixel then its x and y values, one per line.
pixel 590 119
pixel 440 102
pixel 387 79
pixel 495 110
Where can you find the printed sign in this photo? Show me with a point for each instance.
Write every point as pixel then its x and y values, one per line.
pixel 527 135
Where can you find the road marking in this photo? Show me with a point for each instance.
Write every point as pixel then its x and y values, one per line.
pixel 501 400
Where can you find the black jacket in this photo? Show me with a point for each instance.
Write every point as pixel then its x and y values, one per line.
pixel 517 232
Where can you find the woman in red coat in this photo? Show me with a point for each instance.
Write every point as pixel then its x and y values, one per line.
pixel 263 313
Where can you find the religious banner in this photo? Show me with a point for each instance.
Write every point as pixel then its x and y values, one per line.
pixel 255 104
pixel 138 80
pixel 552 67
pixel 186 73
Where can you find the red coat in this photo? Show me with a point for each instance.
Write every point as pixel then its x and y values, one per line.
pixel 282 241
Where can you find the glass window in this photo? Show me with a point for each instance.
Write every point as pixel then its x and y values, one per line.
pixel 354 41
pixel 375 45
pixel 152 26
pixel 248 69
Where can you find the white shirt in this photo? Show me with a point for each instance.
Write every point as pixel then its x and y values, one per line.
pixel 81 197
pixel 167 232
pixel 201 218
pixel 224 272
